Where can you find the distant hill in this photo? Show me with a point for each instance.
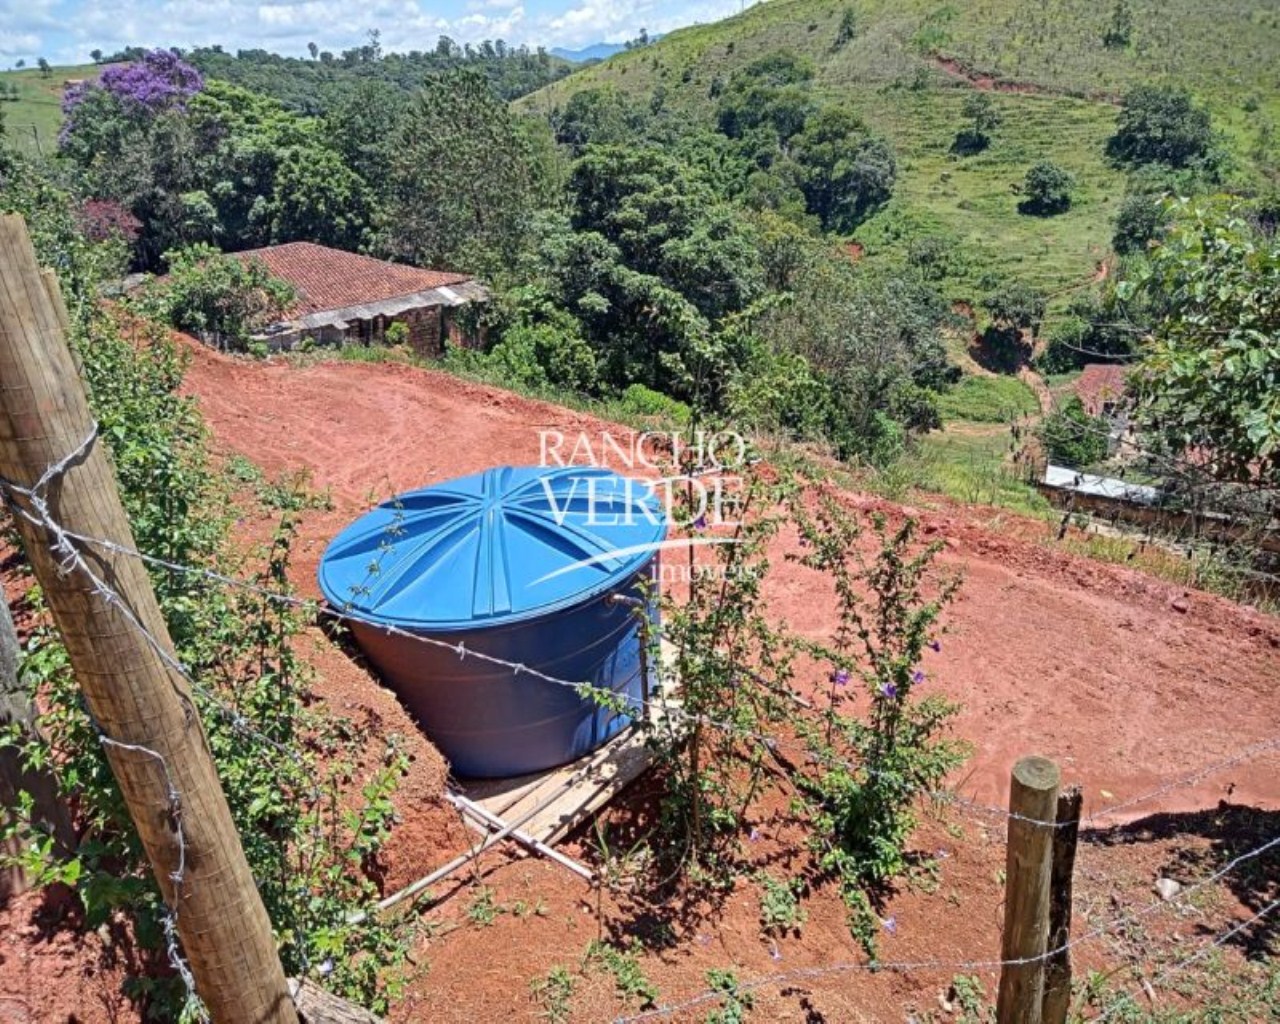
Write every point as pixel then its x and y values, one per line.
pixel 908 67
pixel 597 51
pixel 33 119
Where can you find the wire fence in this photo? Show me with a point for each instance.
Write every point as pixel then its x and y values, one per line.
pixel 947 966
pixel 70 547
pixel 641 705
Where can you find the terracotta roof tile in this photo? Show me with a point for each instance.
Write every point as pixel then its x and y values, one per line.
pixel 333 279
pixel 1099 384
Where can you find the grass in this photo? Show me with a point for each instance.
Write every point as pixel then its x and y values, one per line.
pixel 889 75
pixel 967 463
pixel 33 120
pixel 983 399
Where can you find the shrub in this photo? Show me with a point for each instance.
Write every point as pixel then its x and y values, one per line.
pixel 848 28
pixel 397 333
pixel 1047 188
pixel 1073 438
pixel 543 355
pixel 1140 220
pixel 874 769
pixel 639 400
pixel 219 299
pixel 1120 28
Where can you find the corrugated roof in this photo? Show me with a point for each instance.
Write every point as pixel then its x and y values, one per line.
pixel 1100 486
pixel 328 279
pixel 1101 383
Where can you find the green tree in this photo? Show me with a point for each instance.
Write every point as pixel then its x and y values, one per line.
pixel 1073 438
pixel 1140 220
pixel 316 197
pixel 848 28
pixel 45 69
pixel 362 125
pixel 1209 378
pixel 221 299
pixel 667 223
pixel 1047 188
pixel 770 92
pixel 1120 28
pixel 603 116
pixel 983 118
pixel 847 172
pixel 1016 310
pixel 461 187
pixel 1160 124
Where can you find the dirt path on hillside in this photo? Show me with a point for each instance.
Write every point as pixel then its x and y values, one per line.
pixel 1123 678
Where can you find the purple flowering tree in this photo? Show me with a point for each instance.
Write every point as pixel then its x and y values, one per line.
pixel 132 133
pixel 161 80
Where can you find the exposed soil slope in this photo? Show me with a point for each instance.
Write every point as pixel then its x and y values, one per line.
pixel 1091 663
pixel 1125 680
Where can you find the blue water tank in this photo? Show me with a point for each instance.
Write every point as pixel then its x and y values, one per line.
pixel 520 563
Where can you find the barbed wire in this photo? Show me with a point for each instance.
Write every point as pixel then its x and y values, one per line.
pixel 904 966
pixel 1197 471
pixel 641 705
pixel 63 544
pixel 177 876
pixel 1167 973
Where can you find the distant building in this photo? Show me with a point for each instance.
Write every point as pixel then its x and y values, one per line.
pixel 1101 389
pixel 342 296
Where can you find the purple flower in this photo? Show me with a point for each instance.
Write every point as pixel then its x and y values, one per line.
pixel 917 677
pixel 755 835
pixel 888 690
pixel 160 80
pixel 700 523
pixel 890 925
pixel 326 968
pixel 774 952
pixel 840 677
pixel 934 645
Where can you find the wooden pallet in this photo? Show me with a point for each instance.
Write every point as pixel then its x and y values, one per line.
pixel 569 795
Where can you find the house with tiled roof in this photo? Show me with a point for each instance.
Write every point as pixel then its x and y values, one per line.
pixel 1101 388
pixel 343 296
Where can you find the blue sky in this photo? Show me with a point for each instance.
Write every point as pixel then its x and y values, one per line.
pixel 65 31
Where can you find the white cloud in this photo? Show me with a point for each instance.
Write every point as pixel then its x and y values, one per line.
pixel 69 29
pixel 18 44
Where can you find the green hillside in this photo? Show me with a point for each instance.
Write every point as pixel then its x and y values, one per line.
pixel 33 119
pixel 909 66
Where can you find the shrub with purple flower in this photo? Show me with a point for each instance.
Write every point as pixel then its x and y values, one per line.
pixel 877 765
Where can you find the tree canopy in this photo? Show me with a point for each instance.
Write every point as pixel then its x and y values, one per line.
pixel 1208 384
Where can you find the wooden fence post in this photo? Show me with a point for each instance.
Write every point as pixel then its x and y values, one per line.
pixel 1033 798
pixel 141 704
pixel 1057 979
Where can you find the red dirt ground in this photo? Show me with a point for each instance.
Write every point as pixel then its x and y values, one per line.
pixel 1124 679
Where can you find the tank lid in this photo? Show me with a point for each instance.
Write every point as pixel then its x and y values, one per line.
pixel 500 546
